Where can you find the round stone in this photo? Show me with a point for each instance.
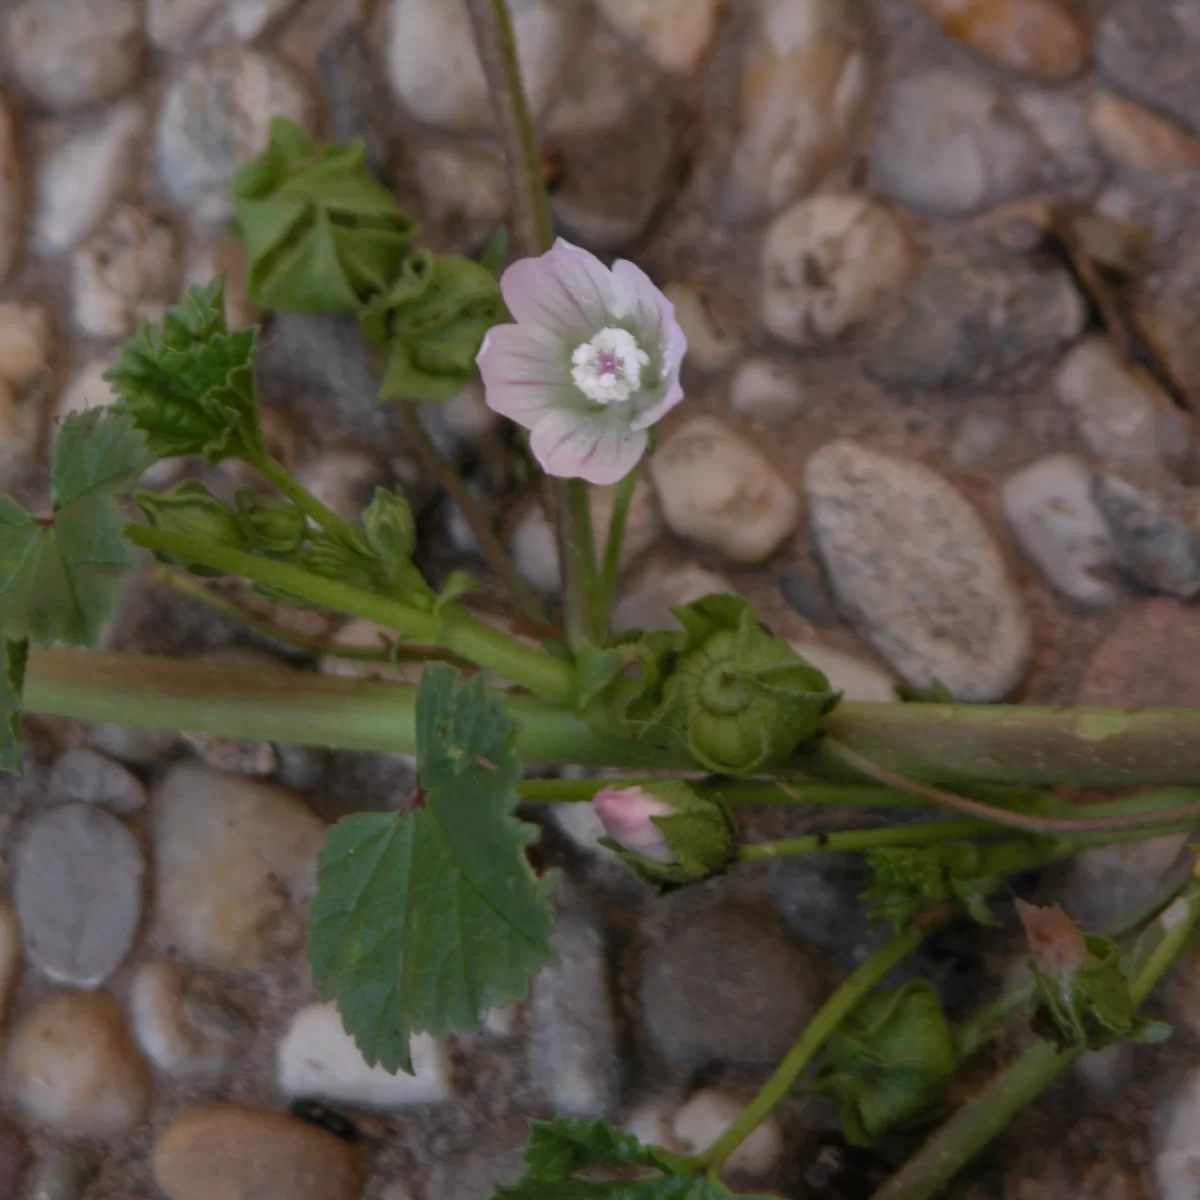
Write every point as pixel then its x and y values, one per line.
pixel 916 571
pixel 222 1151
pixel 85 775
pixel 78 890
pixel 216 115
pixel 73 1067
pixel 1147 659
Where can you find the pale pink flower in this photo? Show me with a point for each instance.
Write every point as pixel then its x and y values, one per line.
pixel 590 365
pixel 1058 946
pixel 626 816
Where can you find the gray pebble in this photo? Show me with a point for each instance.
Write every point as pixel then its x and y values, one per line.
pixel 916 571
pixel 727 987
pixel 84 775
pixel 357 96
pixel 78 891
pixel 971 324
pixel 574 1054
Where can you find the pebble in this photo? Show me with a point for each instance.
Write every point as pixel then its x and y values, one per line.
pixel 78 890
pixel 72 53
pixel 718 490
pixel 1120 416
pixel 827 263
pixel 225 1151
pixel 574 1049
pixel 124 274
pixel 766 392
pixel 947 144
pixel 343 480
pixel 1106 882
pixel 462 424
pixel 127 744
pixel 1050 509
pixel 434 70
pixel 1146 659
pixel 1151 52
pixel 676 34
pixel 972 324
pixel 749 1012
pixel 73 1067
pixel 1155 523
pixel 1176 1146
pixel 223 255
pixel 804 86
pixel 916 571
pixel 215 115
pixel 10 954
pixel 1040 38
pixel 533 545
pixel 317 1059
pixel 179 25
pixel 856 678
pixel 235 859
pixel 474 1175
pixel 464 192
pixel 648 603
pixel 24 342
pixel 12 186
pixel 79 180
pixel 1136 137
pixel 62 1174
pixel 14 1158
pixel 984 428
pixel 84 775
pixel 713 345
pixel 185 1026
pixel 708 1113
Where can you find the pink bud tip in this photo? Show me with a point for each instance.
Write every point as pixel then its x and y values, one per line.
pixel 1057 945
pixel 626 815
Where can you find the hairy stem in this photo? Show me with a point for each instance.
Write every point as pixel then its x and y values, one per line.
pixel 584 623
pixel 977 1122
pixel 831 1014
pixel 863 839
pixel 493 549
pixel 611 566
pixel 454 628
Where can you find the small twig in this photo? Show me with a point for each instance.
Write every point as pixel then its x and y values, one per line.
pixel 1029 822
pixel 493 550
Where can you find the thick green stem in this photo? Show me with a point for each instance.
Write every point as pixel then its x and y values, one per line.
pixel 974 1125
pixel 613 544
pixel 830 1015
pixel 747 791
pixel 453 628
pixel 489 544
pixel 279 476
pixel 863 839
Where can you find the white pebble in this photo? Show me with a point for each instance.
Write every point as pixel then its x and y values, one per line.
pixel 318 1058
pixel 675 33
pixel 765 391
pixel 534 550
pixel 856 678
pixel 648 602
pixel 343 480
pixel 84 775
pixel 712 345
pixel 708 1114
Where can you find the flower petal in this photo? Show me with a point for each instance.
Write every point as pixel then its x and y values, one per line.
pixel 525 373
pixel 591 446
pixel 650 309
pixel 671 396
pixel 566 290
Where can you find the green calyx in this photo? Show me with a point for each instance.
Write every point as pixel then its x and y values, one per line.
pixel 432 322
pixel 888 1064
pixel 322 234
pixel 192 511
pixel 273 527
pixel 700 833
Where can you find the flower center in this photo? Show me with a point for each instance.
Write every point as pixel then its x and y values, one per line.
pixel 608 369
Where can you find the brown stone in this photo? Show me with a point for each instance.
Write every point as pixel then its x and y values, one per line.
pixel 226 1152
pixel 1151 656
pixel 1039 38
pixel 1139 138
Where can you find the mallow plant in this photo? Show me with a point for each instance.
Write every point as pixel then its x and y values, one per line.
pixel 429 916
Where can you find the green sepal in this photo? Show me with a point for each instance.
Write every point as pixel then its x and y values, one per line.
pixel 188 383
pixel 270 526
pixel 191 510
pixel 701 834
pixel 889 1062
pixel 322 234
pixel 12 684
pixel 458 583
pixel 432 322
pixel 391 530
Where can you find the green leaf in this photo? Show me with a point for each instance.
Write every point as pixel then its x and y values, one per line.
pixel 426 919
pixel 189 383
pixel 322 234
pixel 12 682
pixel 458 583
pixel 59 576
pixel 496 251
pixel 433 321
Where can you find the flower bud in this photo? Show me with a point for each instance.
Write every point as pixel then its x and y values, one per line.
pixel 271 526
pixel 667 832
pixel 390 528
pixel 1058 946
pixel 191 510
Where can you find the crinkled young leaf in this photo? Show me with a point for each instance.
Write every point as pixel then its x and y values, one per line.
pixel 433 321
pixel 322 234
pixel 426 919
pixel 12 682
pixel 558 1149
pixel 189 382
pixel 59 576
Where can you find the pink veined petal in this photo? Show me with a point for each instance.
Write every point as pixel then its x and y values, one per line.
pixel 525 373
pixel 578 445
pixel 659 409
pixel 566 290
pixel 652 311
